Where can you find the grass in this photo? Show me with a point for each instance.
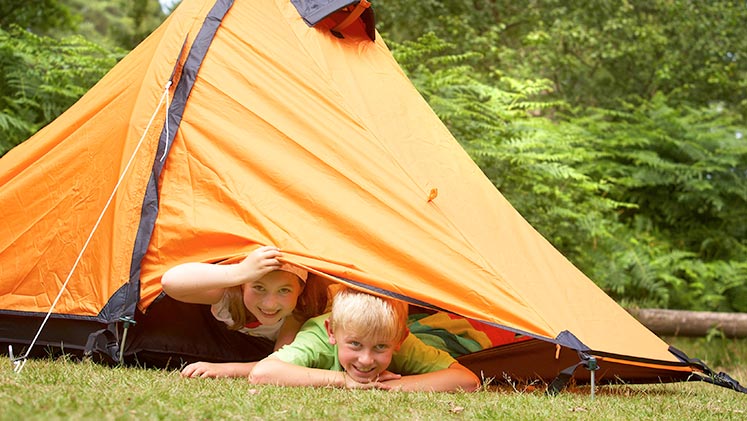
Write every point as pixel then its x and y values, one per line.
pixel 66 389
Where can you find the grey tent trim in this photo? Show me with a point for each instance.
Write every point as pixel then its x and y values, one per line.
pixel 149 209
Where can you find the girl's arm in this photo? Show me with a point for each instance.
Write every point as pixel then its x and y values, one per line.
pixel 200 283
pixel 204 283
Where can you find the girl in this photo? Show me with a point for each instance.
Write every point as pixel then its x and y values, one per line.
pixel 259 296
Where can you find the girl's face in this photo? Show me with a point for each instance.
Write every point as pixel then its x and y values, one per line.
pixel 273 296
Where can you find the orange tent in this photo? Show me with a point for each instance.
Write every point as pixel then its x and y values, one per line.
pixel 237 124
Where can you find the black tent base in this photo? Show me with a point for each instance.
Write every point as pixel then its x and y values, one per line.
pixel 170 335
pixel 536 362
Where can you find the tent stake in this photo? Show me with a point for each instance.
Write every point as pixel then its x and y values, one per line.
pixel 592 366
pixel 127 322
pixel 18 363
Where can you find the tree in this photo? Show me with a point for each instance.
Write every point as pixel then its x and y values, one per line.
pixel 117 23
pixel 40 77
pixel 597 53
pixel 637 176
pixel 45 68
pixel 41 16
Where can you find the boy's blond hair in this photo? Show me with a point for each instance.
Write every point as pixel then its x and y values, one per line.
pixel 368 315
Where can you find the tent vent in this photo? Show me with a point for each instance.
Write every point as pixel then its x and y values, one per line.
pixel 315 11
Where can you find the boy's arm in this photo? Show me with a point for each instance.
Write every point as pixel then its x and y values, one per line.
pixel 453 379
pixel 211 370
pixel 276 372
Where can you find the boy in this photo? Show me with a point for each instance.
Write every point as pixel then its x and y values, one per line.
pixel 363 343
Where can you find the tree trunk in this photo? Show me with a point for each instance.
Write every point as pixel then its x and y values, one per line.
pixel 691 323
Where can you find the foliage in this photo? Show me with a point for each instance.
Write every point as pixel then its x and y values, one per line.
pixel 117 23
pixel 44 69
pixel 695 158
pixel 636 176
pixel 39 16
pixel 596 53
pixel 40 77
pixel 635 50
pixel 685 172
pixel 114 23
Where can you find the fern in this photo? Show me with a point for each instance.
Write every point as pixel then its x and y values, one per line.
pixel 41 77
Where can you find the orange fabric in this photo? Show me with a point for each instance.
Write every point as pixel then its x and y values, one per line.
pixel 296 138
pixel 353 15
pixel 682 368
pixel 54 186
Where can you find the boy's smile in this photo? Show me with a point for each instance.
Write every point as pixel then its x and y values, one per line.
pixel 363 358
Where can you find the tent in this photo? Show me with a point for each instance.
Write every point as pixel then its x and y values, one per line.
pixel 237 124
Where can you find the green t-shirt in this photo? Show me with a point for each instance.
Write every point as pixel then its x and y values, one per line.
pixel 311 348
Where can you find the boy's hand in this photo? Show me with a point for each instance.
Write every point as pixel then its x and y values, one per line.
pixel 352 384
pixel 379 383
pixel 387 375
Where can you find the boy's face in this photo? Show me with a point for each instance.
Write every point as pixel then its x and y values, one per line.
pixel 362 358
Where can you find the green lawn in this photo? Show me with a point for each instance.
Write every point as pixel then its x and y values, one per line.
pixel 65 389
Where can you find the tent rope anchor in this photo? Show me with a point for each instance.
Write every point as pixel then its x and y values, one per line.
pixel 592 366
pixel 127 320
pixel 20 362
pixel 563 378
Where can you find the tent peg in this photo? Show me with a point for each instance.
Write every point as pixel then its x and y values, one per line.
pixel 19 362
pixel 592 366
pixel 127 320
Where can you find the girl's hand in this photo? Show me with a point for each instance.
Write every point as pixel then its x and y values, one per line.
pixel 202 369
pixel 258 263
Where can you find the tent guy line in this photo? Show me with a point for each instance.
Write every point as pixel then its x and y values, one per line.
pixel 165 121
pixel 20 361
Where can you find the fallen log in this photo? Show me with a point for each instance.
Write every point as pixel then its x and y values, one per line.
pixel 691 323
